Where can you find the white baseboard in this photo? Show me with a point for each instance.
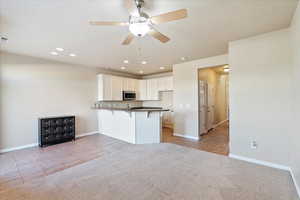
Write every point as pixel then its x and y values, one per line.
pixel 269 164
pixel 260 162
pixel 295 182
pixel 87 134
pixel 18 148
pixel 186 136
pixel 36 144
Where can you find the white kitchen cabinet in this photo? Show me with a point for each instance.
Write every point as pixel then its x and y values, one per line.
pixel 116 88
pixel 104 87
pixel 169 83
pixel 165 83
pixel 125 85
pixel 152 89
pixel 109 88
pixel 142 94
pixel 161 84
pixel 130 84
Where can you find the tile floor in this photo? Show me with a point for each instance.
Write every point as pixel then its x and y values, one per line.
pixel 216 141
pixel 21 166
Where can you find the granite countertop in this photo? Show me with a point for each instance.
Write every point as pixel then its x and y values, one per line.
pixel 134 109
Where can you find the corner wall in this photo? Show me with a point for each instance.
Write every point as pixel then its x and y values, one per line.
pixel 31 88
pixel 186 121
pixel 260 97
pixel 295 134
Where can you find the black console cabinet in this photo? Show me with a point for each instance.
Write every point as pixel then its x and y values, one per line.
pixel 56 130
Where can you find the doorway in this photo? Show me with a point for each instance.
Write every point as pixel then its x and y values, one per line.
pixel 213 95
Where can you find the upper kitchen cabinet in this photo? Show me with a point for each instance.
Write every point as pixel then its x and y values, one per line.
pixel 130 84
pixel 109 88
pixel 142 94
pixel 104 87
pixel 117 88
pixel 165 83
pixel 152 89
pixel 169 83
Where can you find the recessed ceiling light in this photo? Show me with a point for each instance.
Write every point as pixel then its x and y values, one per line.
pixel 162 68
pixel 54 53
pixel 72 54
pixel 123 68
pixel 141 71
pixel 59 49
pixel 144 62
pixel 126 61
pixel 226 70
pixel 183 58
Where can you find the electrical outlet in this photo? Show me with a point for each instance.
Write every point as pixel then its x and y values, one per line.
pixel 254 144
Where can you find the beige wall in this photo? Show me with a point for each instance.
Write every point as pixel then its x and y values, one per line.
pixel 186 94
pixel 32 88
pixel 295 134
pixel 222 97
pixel 260 97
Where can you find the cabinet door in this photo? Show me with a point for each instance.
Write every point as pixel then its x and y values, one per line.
pixel 169 83
pixel 161 82
pixel 142 95
pixel 131 84
pixel 135 83
pixel 104 88
pixel 125 84
pixel 152 89
pixel 117 87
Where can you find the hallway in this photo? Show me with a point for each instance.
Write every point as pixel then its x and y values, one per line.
pixel 217 141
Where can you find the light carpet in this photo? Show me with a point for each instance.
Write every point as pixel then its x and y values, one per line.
pixel 159 171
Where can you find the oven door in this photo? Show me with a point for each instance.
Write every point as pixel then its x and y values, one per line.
pixel 129 96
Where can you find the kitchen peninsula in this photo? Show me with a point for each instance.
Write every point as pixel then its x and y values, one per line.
pixel 136 125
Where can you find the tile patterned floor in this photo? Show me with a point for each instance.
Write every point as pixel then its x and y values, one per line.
pixel 216 141
pixel 25 165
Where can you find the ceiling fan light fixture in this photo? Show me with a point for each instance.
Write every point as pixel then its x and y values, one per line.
pixel 139 29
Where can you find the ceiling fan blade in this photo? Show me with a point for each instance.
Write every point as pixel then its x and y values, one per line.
pixel 158 35
pixel 131 7
pixel 102 23
pixel 170 16
pixel 128 39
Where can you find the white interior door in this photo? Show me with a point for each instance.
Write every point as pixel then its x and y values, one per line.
pixel 203 106
pixel 210 106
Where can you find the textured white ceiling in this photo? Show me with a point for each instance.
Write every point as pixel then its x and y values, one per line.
pixel 37 27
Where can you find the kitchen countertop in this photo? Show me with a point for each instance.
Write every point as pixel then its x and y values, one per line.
pixel 134 109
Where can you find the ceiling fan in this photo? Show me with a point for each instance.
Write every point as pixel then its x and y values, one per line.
pixel 141 24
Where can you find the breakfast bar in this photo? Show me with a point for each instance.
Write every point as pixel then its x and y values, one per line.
pixel 140 125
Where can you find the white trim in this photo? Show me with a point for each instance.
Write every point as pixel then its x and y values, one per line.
pixel 269 164
pixel 295 182
pixel 18 148
pixel 186 136
pixel 36 144
pixel 260 162
pixel 87 134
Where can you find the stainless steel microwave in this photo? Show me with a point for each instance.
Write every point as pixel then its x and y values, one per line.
pixel 129 96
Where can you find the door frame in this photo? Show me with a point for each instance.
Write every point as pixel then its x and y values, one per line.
pixel 198 95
